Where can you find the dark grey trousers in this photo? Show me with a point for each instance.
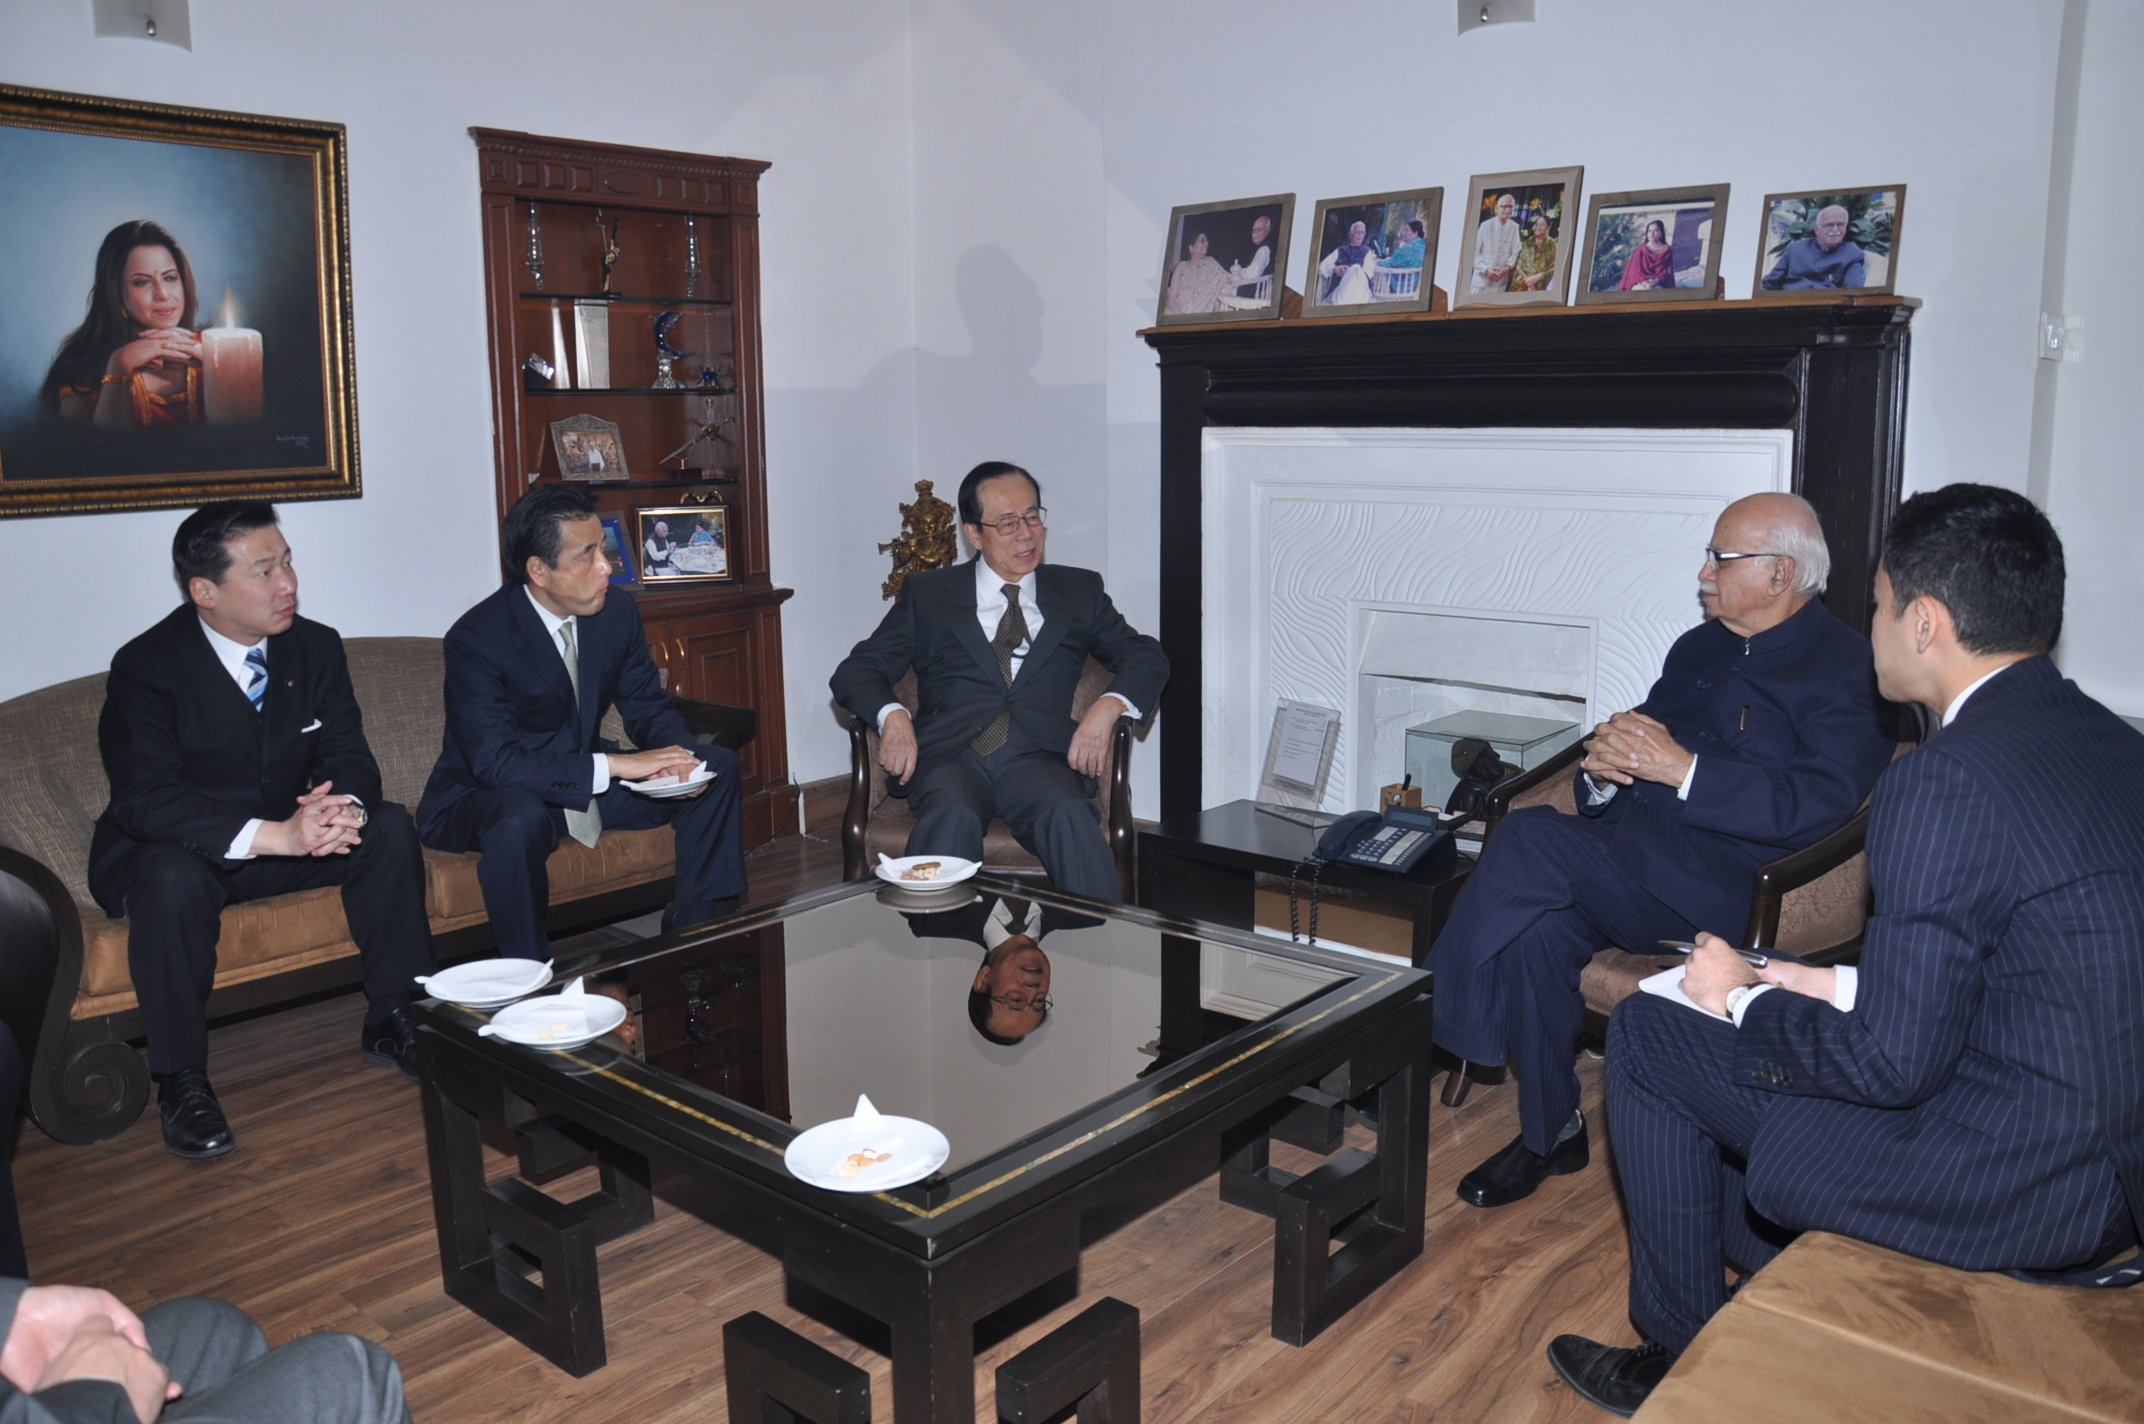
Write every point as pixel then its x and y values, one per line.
pixel 231 1376
pixel 1038 795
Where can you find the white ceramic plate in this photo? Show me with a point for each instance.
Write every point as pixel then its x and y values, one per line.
pixel 951 870
pixel 916 1149
pixel 556 1022
pixel 487 983
pixel 663 791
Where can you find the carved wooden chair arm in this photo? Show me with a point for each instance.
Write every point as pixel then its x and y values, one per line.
pixel 1561 764
pixel 1794 870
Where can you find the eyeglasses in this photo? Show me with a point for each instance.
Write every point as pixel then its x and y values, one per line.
pixel 1021 1003
pixel 1723 556
pixel 1006 526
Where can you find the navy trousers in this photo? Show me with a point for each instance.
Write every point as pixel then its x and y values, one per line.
pixel 516 835
pixel 1543 901
pixel 1683 1129
pixel 175 899
pixel 1038 795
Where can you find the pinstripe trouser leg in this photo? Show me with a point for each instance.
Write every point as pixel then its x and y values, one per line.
pixel 1673 1108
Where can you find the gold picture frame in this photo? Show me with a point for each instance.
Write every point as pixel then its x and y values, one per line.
pixel 670 548
pixel 237 377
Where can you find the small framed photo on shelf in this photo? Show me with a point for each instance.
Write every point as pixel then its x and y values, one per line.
pixel 1654 245
pixel 1829 241
pixel 618 551
pixel 1518 246
pixel 678 543
pixel 588 449
pixel 1225 261
pixel 1373 253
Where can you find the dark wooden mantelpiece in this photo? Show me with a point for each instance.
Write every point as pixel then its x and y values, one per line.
pixel 1833 372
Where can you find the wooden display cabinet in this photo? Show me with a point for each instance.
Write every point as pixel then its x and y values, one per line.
pixel 719 640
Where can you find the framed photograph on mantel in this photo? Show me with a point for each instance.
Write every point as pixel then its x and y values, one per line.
pixel 588 449
pixel 1374 253
pixel 1820 243
pixel 1654 245
pixel 1518 246
pixel 175 290
pixel 1225 261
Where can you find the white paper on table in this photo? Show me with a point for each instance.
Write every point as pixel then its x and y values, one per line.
pixel 1302 743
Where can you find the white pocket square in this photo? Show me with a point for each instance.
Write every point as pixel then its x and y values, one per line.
pixel 313 728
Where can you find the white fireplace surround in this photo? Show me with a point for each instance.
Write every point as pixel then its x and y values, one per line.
pixel 1553 567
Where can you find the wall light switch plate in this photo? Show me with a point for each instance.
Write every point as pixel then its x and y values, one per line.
pixel 2061 338
pixel 1473 14
pixel 164 21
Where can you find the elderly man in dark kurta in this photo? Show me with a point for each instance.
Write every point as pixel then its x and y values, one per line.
pixel 1762 735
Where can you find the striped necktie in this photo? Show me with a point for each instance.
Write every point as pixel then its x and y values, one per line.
pixel 256 675
pixel 1012 632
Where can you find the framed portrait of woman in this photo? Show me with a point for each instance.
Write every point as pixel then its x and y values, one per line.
pixel 175 285
pixel 1653 245
pixel 1373 253
pixel 1516 238
pixel 1225 261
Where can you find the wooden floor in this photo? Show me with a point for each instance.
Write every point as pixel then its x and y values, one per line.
pixel 322 1220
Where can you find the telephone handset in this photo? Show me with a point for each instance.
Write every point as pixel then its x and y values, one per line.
pixel 1395 842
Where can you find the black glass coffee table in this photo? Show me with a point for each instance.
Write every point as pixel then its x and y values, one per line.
pixel 759 1026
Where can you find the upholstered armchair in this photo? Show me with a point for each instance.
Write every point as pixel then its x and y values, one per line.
pixel 877 824
pixel 1810 903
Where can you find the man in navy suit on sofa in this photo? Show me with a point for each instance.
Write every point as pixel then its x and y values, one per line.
pixel 1762 735
pixel 1973 1093
pixel 530 671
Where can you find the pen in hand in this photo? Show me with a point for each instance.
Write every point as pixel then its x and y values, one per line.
pixel 1749 956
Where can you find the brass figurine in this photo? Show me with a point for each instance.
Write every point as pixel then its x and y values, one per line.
pixel 610 248
pixel 925 540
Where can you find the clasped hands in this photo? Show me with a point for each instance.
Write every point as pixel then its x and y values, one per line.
pixel 1631 746
pixel 63 1333
pixel 324 824
pixel 1088 755
pixel 1715 970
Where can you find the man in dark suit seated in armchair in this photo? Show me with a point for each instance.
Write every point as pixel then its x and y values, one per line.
pixel 1973 1092
pixel 530 671
pixel 997 645
pixel 1762 735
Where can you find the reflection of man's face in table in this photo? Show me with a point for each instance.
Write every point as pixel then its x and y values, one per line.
pixel 1016 977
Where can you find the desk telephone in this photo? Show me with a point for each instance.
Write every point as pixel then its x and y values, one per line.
pixel 1404 836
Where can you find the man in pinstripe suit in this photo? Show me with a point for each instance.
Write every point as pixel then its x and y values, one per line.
pixel 1974 1093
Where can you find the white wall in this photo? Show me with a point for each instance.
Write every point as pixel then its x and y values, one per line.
pixel 2094 492
pixel 828 103
pixel 998 174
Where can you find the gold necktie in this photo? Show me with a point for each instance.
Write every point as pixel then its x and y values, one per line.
pixel 1012 632
pixel 584 826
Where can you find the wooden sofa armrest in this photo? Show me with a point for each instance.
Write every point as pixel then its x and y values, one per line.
pixel 85 1085
pixel 1122 832
pixel 1561 764
pixel 854 865
pixel 714 722
pixel 1794 870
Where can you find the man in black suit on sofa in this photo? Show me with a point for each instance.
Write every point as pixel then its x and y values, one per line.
pixel 998 645
pixel 530 671
pixel 239 770
pixel 1973 1092
pixel 1761 736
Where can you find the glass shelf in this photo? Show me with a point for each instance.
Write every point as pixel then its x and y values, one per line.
pixel 629 391
pixel 626 297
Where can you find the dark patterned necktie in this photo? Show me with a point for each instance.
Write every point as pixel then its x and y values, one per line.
pixel 1012 632
pixel 257 676
pixel 584 825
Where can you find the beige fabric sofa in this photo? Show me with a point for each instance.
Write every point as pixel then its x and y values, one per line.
pixel 65 990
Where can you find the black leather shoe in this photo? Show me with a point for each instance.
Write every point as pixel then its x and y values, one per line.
pixel 1515 1172
pixel 1607 1376
pixel 392 1043
pixel 194 1124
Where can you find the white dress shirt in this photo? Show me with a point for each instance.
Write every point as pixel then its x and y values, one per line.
pixel 553 624
pixel 990 603
pixel 233 657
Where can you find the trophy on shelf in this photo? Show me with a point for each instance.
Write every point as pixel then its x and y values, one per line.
pixel 667 355
pixel 610 249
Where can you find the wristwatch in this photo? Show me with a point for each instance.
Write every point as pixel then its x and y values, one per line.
pixel 1738 996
